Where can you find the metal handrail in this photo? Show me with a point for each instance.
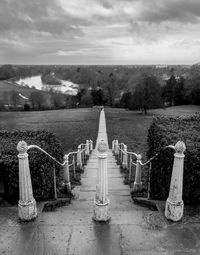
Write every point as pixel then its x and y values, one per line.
pixel 126 160
pixel 37 147
pixel 147 162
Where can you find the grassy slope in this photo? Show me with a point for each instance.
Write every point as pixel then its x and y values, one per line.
pixel 6 87
pixel 131 127
pixel 25 91
pixel 71 126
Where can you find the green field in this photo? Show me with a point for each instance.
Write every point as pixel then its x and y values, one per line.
pixel 71 126
pixel 131 127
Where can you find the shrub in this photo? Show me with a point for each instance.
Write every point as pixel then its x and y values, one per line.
pixel 168 130
pixel 41 166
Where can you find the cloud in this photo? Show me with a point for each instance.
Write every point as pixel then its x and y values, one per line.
pixel 92 30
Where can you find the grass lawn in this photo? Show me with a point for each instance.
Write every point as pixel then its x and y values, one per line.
pixel 71 126
pixel 131 127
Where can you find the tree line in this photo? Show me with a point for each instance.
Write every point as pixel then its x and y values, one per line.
pixel 149 94
pixel 135 87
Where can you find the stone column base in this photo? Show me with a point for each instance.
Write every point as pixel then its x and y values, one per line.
pixel 137 187
pixel 101 212
pixel 174 210
pixel 124 165
pixel 27 211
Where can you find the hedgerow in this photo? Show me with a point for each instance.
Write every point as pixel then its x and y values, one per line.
pixel 41 166
pixel 164 131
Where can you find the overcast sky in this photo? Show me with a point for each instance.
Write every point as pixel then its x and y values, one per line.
pixel 99 31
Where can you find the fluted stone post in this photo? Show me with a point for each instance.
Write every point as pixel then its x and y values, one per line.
pixel 137 186
pixel 125 158
pixel 174 204
pixel 87 151
pixel 113 146
pixel 91 145
pixel 101 203
pixel 27 209
pixel 116 148
pixel 66 172
pixel 79 160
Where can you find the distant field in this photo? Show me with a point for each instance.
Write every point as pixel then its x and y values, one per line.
pixel 71 126
pixel 131 127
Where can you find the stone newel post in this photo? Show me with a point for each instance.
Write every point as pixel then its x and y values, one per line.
pixel 116 148
pixel 125 158
pixel 87 152
pixel 137 186
pixel 113 146
pixel 27 209
pixel 66 173
pixel 79 159
pixel 174 204
pixel 91 145
pixel 101 203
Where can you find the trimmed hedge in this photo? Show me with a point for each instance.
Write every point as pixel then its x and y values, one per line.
pixel 165 131
pixel 41 166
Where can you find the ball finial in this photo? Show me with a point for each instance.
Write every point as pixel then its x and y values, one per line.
pixel 139 156
pixel 180 147
pixel 102 147
pixel 22 147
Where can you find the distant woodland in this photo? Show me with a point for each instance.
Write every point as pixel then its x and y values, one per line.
pixel 132 87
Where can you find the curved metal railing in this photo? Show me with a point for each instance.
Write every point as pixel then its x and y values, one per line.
pixel 128 159
pixel 73 161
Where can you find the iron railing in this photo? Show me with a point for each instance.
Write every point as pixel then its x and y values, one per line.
pixel 73 161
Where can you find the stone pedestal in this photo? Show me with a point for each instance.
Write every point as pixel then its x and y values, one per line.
pixel 116 148
pixel 79 159
pixel 174 204
pixel 87 151
pixel 125 158
pixel 137 186
pixel 101 203
pixel 66 173
pixel 27 209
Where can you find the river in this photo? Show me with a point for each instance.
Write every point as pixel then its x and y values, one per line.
pixel 66 87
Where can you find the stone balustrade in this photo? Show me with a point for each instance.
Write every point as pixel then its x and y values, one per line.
pixel 174 204
pixel 27 209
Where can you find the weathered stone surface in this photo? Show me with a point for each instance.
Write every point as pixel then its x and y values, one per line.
pixel 174 204
pixel 26 205
pixel 101 203
pixel 27 211
pixel 101 212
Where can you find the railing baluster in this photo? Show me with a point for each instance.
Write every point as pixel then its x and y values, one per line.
pixel 54 181
pixel 74 167
pixel 130 168
pixel 149 178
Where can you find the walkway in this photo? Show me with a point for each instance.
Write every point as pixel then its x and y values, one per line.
pixel 71 230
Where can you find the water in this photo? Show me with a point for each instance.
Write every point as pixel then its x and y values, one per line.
pixel 66 87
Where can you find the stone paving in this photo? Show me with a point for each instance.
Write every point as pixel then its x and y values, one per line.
pixel 71 229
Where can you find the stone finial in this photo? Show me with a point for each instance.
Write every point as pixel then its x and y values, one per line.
pixel 22 147
pixel 180 147
pixel 65 158
pixel 102 147
pixel 139 156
